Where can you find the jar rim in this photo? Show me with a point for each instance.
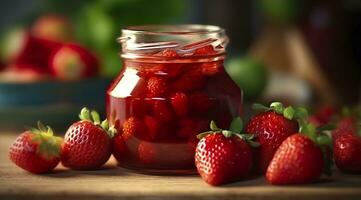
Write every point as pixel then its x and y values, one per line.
pixel 183 29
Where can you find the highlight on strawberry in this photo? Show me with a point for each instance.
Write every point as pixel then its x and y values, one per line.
pixel 87 143
pixel 301 158
pixel 272 125
pixel 36 150
pixel 224 156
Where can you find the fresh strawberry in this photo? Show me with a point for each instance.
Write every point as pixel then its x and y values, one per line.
pixel 52 27
pixel 347 147
pixel 162 110
pixel 153 126
pixel 323 115
pixel 271 126
pixel 87 143
pixel 180 104
pixel 36 150
pixel 223 156
pixel 300 159
pixel 72 62
pixel 133 127
pixel 157 87
pixel 35 51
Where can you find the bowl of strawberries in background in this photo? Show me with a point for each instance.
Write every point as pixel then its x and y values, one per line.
pixel 46 74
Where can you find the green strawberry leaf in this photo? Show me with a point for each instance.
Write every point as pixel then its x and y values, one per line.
pixel 85 114
pixel 236 125
pixel 277 107
pixel 289 112
pixel 260 107
pixel 227 133
pixel 95 116
pixel 213 126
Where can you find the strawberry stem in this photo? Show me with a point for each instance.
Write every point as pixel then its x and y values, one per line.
pixel 229 133
pixel 94 117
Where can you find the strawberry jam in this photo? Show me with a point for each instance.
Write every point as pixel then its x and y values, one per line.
pixel 173 83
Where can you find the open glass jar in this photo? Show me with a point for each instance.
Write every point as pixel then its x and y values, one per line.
pixel 173 83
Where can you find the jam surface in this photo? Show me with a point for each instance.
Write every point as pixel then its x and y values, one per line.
pixel 158 108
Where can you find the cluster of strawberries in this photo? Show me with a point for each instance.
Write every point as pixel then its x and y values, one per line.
pixel 288 149
pixel 47 50
pixel 171 103
pixel 86 145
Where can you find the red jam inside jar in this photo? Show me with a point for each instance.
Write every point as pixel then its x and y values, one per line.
pixel 173 83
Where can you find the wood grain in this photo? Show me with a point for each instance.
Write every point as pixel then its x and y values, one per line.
pixel 117 183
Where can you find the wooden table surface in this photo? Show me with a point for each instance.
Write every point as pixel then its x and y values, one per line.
pixel 117 183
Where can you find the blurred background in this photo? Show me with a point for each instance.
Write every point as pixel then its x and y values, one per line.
pixel 305 52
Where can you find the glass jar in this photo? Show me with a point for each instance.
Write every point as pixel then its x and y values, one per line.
pixel 173 83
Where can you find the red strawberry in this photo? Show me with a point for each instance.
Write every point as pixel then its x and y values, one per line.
pixel 153 126
pixel 162 110
pixel 201 103
pixel 298 160
pixel 52 27
pixel 222 156
pixel 188 83
pixel 157 87
pixel 271 127
pixel 168 53
pixel 148 152
pixel 133 127
pixel 36 52
pixel 87 143
pixel 180 104
pixel 120 149
pixel 73 62
pixel 204 51
pixel 347 150
pixel 190 127
pixel 323 115
pixel 36 150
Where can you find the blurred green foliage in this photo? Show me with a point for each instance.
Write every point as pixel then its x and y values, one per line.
pixel 98 23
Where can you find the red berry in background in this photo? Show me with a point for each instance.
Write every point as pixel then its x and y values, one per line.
pixel 133 127
pixel 298 160
pixel 271 127
pixel 180 103
pixel 73 62
pixel 347 150
pixel 323 115
pixel 52 27
pixel 157 87
pixel 162 111
pixel 223 157
pixel 87 143
pixel 36 52
pixel 37 150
